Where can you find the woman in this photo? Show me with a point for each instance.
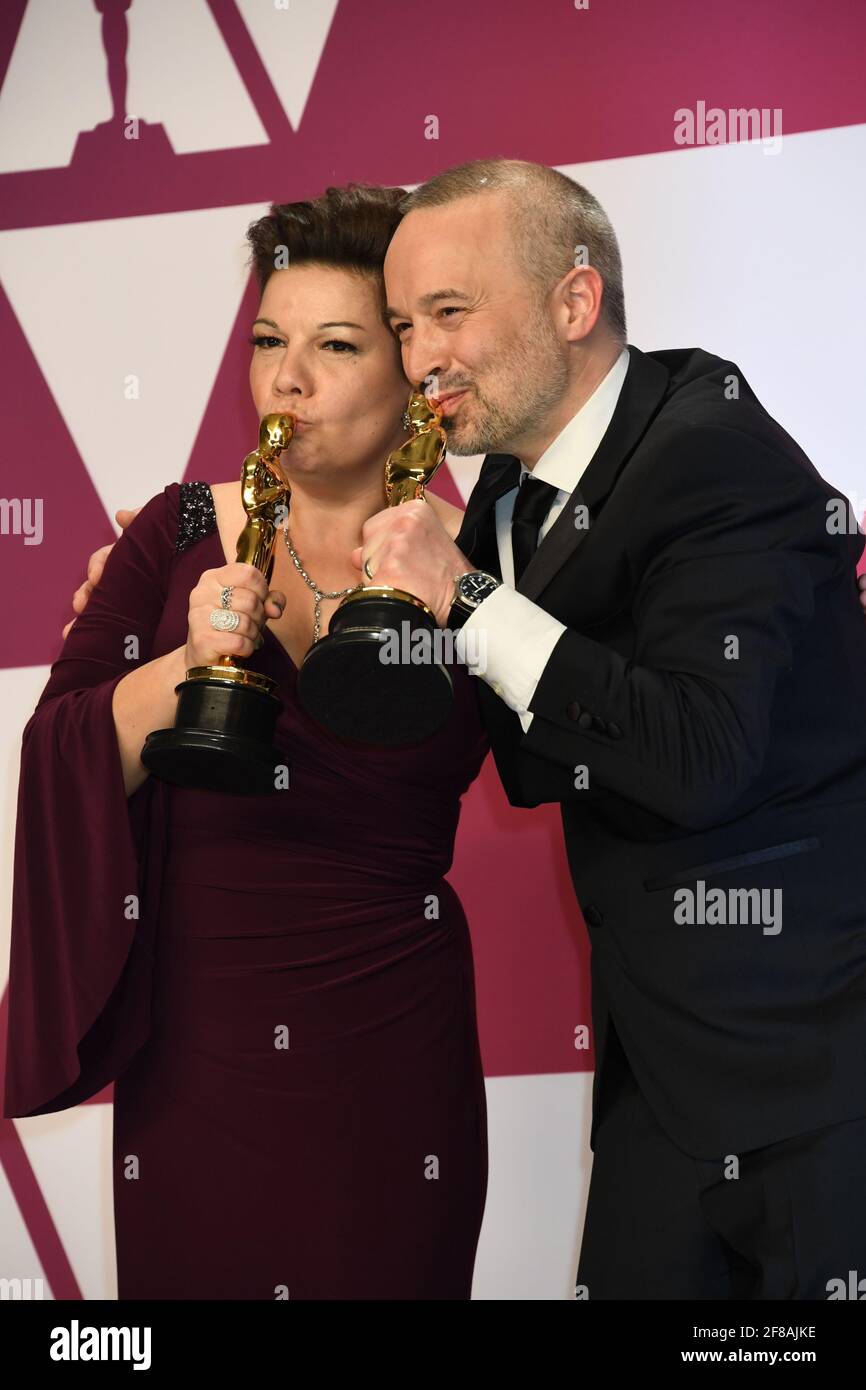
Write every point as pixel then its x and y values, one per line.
pixel 282 986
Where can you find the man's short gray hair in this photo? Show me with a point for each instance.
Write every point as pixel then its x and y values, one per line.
pixel 558 223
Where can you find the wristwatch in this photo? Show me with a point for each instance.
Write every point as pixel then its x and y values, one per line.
pixel 470 590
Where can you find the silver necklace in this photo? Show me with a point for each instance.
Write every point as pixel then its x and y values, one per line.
pixel 311 584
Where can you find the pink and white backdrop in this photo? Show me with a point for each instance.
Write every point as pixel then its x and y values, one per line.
pixel 123 260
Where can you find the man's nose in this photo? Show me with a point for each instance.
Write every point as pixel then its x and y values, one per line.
pixel 424 356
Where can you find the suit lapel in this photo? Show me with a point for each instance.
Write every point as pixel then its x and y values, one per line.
pixel 477 536
pixel 642 392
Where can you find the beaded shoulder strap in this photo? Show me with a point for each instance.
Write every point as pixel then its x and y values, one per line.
pixel 196 516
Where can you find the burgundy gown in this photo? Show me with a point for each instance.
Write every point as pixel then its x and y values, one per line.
pixel 280 986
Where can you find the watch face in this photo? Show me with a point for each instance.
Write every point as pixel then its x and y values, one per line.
pixel 477 586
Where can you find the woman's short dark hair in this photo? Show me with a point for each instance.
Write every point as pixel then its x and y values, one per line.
pixel 346 227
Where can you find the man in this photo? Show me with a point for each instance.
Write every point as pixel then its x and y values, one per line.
pixel 673 650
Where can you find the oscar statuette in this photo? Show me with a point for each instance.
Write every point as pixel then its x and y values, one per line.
pixel 346 683
pixel 222 738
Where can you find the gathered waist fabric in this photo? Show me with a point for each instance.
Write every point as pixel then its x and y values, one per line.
pixel 339 872
pixel 331 923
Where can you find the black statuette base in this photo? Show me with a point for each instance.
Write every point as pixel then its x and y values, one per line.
pixel 222 740
pixel 345 686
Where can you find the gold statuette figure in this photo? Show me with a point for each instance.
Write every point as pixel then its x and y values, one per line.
pixel 411 467
pixel 222 739
pixel 344 682
pixel 263 489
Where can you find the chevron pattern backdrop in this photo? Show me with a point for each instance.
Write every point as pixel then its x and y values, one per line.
pixel 125 258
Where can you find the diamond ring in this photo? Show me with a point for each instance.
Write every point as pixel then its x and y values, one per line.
pixel 224 620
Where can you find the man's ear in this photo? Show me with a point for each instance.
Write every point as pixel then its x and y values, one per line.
pixel 580 293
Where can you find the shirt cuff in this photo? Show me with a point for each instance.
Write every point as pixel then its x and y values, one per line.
pixel 508 641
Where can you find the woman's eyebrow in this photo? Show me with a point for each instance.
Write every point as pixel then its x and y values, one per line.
pixel 336 323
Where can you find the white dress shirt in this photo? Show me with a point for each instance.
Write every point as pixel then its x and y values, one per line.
pixel 514 638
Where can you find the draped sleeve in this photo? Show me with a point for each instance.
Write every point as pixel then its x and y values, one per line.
pixel 87 858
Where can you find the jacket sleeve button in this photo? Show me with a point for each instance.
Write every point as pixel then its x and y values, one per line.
pixel 614 731
pixel 585 720
pixel 592 916
pixel 573 710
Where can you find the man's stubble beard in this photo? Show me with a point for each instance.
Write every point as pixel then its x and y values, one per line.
pixel 531 379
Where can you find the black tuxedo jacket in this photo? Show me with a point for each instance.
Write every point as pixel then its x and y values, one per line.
pixel 712 684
